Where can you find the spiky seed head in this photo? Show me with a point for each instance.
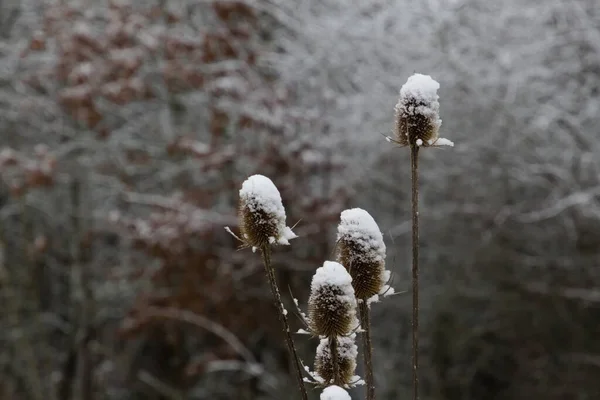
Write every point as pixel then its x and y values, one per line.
pixel 347 352
pixel 332 304
pixel 360 248
pixel 417 112
pixel 262 216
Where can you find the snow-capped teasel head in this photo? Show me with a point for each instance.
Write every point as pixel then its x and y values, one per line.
pixel 417 113
pixel 334 393
pixel 346 359
pixel 359 224
pixel 361 249
pixel 262 216
pixel 332 304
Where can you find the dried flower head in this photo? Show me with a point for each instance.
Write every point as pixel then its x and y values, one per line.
pixel 332 305
pixel 334 393
pixel 346 359
pixel 417 112
pixel 360 248
pixel 262 216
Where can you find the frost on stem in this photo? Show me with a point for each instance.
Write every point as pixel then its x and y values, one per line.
pixel 262 216
pixel 334 393
pixel 332 305
pixel 361 250
pixel 417 113
pixel 346 359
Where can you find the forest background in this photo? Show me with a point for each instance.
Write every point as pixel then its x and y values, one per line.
pixel 126 130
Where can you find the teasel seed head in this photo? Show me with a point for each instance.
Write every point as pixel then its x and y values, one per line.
pixel 332 304
pixel 360 248
pixel 334 392
pixel 347 352
pixel 417 112
pixel 262 216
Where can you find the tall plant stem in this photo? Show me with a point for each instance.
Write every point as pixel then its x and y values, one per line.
pixel 365 321
pixel 414 159
pixel 266 253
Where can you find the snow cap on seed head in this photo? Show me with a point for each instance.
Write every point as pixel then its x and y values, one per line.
pixel 334 393
pixel 332 304
pixel 262 216
pixel 360 248
pixel 417 113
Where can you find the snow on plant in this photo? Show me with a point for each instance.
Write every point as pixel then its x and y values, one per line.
pixel 417 113
pixel 360 277
pixel 361 249
pixel 262 216
pixel 334 393
pixel 332 316
pixel 332 304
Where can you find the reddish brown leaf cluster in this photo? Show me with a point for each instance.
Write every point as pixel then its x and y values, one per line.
pixel 110 54
pixel 23 173
pixel 98 57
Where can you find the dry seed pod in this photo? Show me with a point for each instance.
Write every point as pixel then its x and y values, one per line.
pixel 417 112
pixel 262 216
pixel 360 248
pixel 347 352
pixel 334 393
pixel 332 305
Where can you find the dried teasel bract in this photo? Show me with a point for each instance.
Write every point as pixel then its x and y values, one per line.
pixel 262 216
pixel 346 360
pixel 334 392
pixel 417 119
pixel 361 249
pixel 332 304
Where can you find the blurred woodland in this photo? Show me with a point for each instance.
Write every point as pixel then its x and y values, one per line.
pixel 127 127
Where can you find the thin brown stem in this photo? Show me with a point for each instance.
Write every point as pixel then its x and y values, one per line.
pixel 266 253
pixel 365 321
pixel 333 351
pixel 414 158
